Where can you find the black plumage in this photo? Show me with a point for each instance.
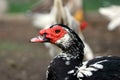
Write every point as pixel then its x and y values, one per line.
pixel 69 65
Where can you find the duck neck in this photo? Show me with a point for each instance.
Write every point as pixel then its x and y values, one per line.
pixel 74 50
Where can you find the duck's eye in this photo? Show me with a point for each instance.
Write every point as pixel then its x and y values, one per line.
pixel 57 31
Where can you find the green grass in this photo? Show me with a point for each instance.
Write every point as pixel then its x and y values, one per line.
pixel 93 5
pixel 16 6
pixel 20 5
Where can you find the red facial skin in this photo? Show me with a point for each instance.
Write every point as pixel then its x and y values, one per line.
pixel 53 34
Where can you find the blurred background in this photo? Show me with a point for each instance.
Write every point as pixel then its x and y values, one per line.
pixel 21 60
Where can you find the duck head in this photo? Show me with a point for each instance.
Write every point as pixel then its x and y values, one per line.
pixel 60 35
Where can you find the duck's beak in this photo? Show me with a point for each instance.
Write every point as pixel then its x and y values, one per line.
pixel 40 38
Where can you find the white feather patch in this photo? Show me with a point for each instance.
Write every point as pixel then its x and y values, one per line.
pixel 87 71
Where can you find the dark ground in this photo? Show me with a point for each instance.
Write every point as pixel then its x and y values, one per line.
pixel 21 60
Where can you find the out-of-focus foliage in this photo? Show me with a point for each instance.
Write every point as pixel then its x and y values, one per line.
pixel 89 5
pixel 95 4
pixel 20 5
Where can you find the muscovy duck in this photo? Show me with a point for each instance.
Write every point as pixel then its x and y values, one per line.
pixel 69 65
pixel 60 14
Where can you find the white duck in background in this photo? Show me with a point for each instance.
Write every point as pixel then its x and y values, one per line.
pixel 60 14
pixel 113 14
pixel 3 7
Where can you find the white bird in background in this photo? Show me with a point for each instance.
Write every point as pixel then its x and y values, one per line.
pixel 3 6
pixel 113 14
pixel 60 14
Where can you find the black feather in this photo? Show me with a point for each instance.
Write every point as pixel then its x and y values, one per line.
pixel 101 68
